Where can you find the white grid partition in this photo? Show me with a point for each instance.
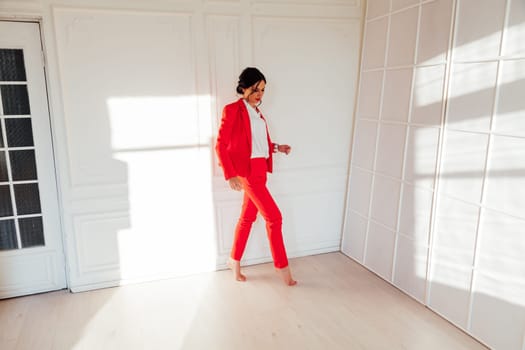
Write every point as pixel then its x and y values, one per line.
pixel 436 202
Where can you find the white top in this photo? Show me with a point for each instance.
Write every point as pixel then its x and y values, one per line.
pixel 259 135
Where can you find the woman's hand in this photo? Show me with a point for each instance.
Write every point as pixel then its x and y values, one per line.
pixel 284 149
pixel 235 183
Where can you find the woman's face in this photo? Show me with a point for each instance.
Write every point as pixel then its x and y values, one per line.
pixel 254 93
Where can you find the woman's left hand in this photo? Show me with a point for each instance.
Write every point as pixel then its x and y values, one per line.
pixel 284 149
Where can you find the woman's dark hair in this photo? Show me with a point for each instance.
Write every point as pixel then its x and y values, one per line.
pixel 249 77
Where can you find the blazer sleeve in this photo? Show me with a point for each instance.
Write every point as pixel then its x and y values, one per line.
pixel 223 141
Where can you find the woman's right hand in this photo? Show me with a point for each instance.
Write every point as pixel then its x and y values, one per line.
pixel 235 183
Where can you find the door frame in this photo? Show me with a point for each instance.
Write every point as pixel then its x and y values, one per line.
pixel 21 17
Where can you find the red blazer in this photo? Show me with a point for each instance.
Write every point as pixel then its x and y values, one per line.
pixel 234 141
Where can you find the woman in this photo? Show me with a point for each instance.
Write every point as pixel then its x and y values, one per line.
pixel 245 152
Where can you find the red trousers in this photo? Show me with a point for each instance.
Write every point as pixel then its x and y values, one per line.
pixel 257 198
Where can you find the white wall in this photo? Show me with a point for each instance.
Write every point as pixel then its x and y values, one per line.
pixel 436 201
pixel 136 91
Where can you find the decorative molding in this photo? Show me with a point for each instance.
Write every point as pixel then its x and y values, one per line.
pixel 300 241
pixel 299 18
pixel 307 11
pixel 20 9
pixel 87 286
pixel 221 218
pixel 223 33
pixel 184 8
pixel 116 170
pixel 86 263
pixel 294 182
pixel 97 191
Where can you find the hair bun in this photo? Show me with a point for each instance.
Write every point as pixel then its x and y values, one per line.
pixel 249 77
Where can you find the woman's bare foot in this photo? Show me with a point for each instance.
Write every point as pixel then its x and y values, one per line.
pixel 286 276
pixel 235 266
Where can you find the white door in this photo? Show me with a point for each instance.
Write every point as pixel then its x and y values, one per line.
pixel 31 254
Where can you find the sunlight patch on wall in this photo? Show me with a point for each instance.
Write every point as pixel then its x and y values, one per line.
pixel 421 156
pixel 172 228
pixel 515 31
pixel 428 87
pixel 149 121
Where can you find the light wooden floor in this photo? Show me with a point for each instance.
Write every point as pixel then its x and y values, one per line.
pixel 336 305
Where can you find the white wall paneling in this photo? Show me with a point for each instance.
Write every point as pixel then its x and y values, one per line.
pixel 224 40
pixel 414 220
pixel 478 37
pixel 421 156
pixel 380 250
pixel 449 295
pixel 354 235
pixel 434 32
pixel 364 144
pixel 307 8
pixel 471 97
pixel 390 149
pixel 396 98
pixel 508 118
pixel 427 97
pixel 501 270
pixel 135 93
pixel 385 200
pixel 377 8
pixel 321 104
pixel 374 45
pixel 455 229
pixel 106 105
pixel 401 45
pixel 361 187
pixel 505 179
pixel 460 105
pixel 21 8
pixel 462 165
pixel 446 207
pixel 513 45
pixel 97 244
pixel 307 106
pixel 410 267
pixel 371 84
